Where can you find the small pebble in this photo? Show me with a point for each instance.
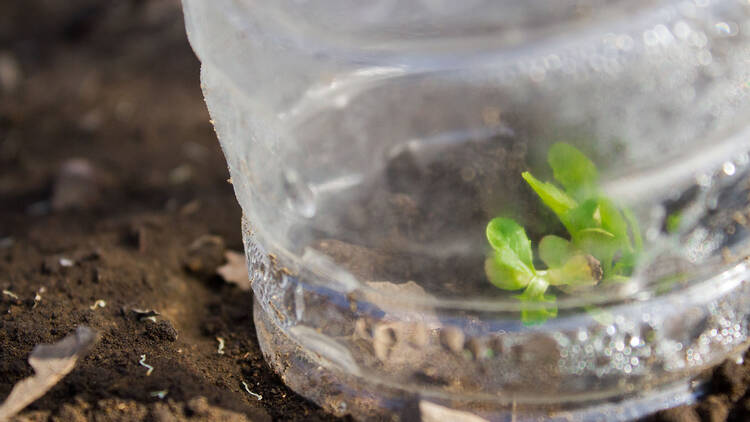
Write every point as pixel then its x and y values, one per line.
pixel 452 338
pixel 478 349
pixel 10 72
pixel 161 330
pixel 6 242
pixel 420 335
pixel 383 339
pixel 205 255
pixel 76 186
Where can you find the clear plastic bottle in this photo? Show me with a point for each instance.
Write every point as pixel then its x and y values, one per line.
pixel 370 144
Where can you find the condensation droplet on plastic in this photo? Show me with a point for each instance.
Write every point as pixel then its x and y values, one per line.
pixel 299 301
pixel 682 30
pixel 704 57
pixel 728 168
pixel 300 198
pixel 726 29
pixel 624 42
pixel 704 180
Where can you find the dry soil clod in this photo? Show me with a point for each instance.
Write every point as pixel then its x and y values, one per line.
pixel 453 339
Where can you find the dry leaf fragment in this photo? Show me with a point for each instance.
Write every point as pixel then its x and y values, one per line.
pixel 235 270
pixel 51 362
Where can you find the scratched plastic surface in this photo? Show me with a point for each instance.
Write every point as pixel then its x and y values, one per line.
pixel 369 146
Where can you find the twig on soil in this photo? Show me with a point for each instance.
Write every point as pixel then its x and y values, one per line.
pixel 220 350
pixel 51 362
pixel 159 394
pixel 149 368
pixel 255 395
pixel 11 294
pixel 98 304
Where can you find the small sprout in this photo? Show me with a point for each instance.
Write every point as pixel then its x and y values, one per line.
pixel 255 395
pixel 220 350
pixel 673 222
pixel 66 262
pixel 145 314
pixel 11 294
pixel 98 304
pixel 160 394
pixel 38 296
pixel 149 368
pixel 603 246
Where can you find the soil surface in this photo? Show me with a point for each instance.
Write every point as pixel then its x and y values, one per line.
pixel 115 212
pixel 111 182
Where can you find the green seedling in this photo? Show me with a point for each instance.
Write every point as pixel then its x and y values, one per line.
pixel 603 246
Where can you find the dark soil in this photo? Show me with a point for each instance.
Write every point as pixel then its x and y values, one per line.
pixel 116 84
pixel 113 188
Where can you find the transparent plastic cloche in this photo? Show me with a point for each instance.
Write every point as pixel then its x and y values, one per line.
pixel 493 208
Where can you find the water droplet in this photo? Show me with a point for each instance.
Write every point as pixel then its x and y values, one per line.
pixel 300 198
pixel 682 30
pixel 299 301
pixel 727 29
pixel 624 42
pixel 728 168
pixel 704 180
pixel 704 57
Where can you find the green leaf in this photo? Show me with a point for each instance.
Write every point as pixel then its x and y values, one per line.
pixel 613 222
pixel 600 315
pixel 674 221
pixel 512 246
pixel 624 266
pixel 582 217
pixel 573 170
pixel 537 312
pixel 557 200
pixel 600 244
pixel 503 277
pixel 554 250
pixel 536 306
pixel 578 271
pixel 635 229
